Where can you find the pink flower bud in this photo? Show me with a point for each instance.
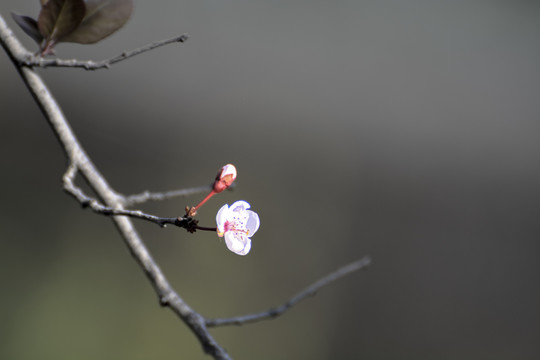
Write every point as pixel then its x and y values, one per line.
pixel 224 178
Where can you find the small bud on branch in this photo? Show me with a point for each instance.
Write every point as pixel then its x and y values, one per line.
pixel 224 179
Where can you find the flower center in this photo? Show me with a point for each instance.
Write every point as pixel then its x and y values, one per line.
pixel 236 225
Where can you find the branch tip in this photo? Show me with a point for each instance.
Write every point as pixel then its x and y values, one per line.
pixel 309 291
pixel 32 60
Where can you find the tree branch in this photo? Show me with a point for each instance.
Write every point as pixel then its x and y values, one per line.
pixel 35 60
pixel 112 203
pixel 309 291
pixel 86 201
pixel 77 157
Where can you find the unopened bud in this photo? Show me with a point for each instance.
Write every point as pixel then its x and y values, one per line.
pixel 224 178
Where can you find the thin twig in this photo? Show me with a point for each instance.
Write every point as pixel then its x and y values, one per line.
pixel 97 207
pixel 309 291
pixel 158 196
pixel 33 60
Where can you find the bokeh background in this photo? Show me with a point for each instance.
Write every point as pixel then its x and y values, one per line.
pixel 406 130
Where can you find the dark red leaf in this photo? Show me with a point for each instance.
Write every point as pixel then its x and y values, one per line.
pixel 103 17
pixel 58 18
pixel 29 26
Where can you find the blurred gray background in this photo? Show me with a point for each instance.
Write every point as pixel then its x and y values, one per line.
pixel 406 130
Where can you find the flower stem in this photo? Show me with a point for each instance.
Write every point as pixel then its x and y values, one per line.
pixel 205 228
pixel 210 194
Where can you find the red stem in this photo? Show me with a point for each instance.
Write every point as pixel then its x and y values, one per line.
pixel 205 199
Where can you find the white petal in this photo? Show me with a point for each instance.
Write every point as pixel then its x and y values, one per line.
pixel 221 218
pixel 237 242
pixel 228 169
pixel 246 248
pixel 253 222
pixel 240 205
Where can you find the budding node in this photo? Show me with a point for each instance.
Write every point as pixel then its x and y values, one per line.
pixel 224 179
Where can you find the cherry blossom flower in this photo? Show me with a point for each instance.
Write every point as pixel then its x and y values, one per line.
pixel 237 224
